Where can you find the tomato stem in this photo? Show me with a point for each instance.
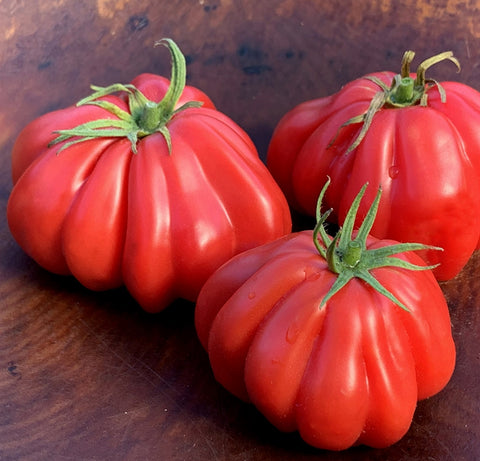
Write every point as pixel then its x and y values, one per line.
pixel 144 117
pixel 350 258
pixel 404 91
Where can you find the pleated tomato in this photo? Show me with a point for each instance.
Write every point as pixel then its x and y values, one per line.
pixel 416 138
pixel 337 339
pixel 139 185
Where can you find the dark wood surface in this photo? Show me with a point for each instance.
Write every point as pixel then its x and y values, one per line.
pixel 89 376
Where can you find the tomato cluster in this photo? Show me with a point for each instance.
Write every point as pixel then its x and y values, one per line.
pixel 147 185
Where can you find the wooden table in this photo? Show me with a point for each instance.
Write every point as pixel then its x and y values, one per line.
pixel 89 376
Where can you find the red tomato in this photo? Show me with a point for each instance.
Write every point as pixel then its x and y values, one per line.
pixel 325 353
pixel 160 220
pixel 424 155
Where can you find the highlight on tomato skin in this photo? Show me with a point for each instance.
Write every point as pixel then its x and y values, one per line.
pixel 334 337
pixel 123 188
pixel 413 136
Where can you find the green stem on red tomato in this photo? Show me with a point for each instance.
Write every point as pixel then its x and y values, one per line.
pixel 350 258
pixel 145 117
pixel 404 91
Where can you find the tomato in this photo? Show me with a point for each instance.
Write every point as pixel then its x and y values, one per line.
pixel 139 185
pixel 421 147
pixel 336 340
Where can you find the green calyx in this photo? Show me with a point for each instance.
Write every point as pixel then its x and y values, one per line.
pixel 144 117
pixel 404 91
pixel 350 258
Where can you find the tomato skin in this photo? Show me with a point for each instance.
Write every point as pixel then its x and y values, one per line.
pixel 159 222
pixel 424 158
pixel 349 373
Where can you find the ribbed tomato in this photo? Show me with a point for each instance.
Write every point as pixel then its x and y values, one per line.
pixel 139 185
pixel 336 339
pixel 417 139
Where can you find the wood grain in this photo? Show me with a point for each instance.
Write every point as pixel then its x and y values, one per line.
pixel 89 376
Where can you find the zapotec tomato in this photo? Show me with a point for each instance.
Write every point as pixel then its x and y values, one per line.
pixel 139 185
pixel 417 139
pixel 336 339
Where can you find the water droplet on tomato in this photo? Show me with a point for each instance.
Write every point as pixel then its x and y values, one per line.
pixel 311 273
pixel 292 334
pixel 393 171
pixel 251 295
